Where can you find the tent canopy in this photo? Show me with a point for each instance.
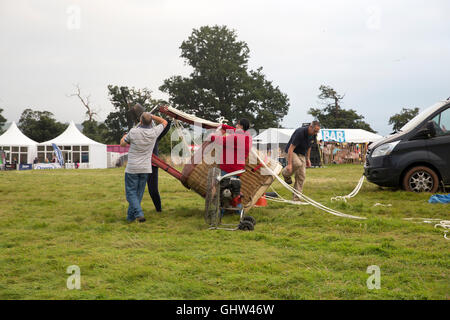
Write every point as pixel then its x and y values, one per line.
pixel 72 136
pixel 76 147
pixel 17 145
pixel 282 136
pixel 14 137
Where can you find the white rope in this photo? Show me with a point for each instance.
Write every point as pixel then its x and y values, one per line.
pixel 221 120
pixel 280 199
pixel 305 198
pixel 382 205
pixel 179 129
pixel 351 194
pixel 445 224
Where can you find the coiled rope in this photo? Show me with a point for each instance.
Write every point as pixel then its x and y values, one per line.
pixel 445 224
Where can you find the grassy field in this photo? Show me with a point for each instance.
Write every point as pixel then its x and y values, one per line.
pixel 50 220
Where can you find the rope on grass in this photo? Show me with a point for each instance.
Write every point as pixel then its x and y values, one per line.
pixel 303 197
pixel 280 199
pixel 351 194
pixel 445 224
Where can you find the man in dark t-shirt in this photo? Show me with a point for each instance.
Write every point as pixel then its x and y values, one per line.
pixel 298 150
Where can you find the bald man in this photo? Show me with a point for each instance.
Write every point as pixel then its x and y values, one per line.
pixel 142 140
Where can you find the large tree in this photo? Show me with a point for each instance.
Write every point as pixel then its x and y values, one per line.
pixel 398 120
pixel 122 98
pixel 2 121
pixel 332 115
pixel 40 125
pixel 220 84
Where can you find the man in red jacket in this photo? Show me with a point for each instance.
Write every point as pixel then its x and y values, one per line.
pixel 236 146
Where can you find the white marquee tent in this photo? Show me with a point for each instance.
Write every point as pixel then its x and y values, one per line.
pixel 76 148
pixel 282 136
pixel 17 145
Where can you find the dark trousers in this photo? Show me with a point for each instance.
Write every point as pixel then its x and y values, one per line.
pixel 152 184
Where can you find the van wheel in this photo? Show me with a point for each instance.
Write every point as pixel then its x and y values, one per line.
pixel 421 179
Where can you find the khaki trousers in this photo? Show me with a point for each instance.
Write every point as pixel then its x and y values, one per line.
pixel 299 171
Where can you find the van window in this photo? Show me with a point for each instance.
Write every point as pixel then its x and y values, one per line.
pixel 442 122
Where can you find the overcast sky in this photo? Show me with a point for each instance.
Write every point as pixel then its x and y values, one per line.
pixel 383 55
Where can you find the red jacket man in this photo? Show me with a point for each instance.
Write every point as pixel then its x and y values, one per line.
pixel 235 146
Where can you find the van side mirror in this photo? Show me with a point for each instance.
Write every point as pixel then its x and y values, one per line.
pixel 428 131
pixel 431 128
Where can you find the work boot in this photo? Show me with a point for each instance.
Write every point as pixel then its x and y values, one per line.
pixel 287 179
pixel 141 219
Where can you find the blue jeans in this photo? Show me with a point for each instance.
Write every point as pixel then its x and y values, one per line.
pixel 134 190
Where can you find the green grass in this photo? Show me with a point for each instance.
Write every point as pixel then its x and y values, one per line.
pixel 50 220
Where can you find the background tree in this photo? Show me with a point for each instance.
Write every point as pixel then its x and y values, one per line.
pixel 91 128
pixel 221 84
pixel 333 116
pixel 97 131
pixel 117 121
pixel 40 125
pixel 86 102
pixel 398 120
pixel 2 121
pixel 165 144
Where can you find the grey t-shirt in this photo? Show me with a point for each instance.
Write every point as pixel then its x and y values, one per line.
pixel 142 141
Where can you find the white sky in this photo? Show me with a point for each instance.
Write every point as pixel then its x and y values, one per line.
pixel 384 55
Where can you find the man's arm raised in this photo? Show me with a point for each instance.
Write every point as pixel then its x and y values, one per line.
pixel 159 120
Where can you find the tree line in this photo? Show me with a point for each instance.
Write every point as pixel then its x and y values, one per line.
pixel 220 85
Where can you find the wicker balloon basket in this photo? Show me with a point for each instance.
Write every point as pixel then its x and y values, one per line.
pixel 254 181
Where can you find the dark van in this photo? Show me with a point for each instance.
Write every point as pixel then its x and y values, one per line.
pixel 417 158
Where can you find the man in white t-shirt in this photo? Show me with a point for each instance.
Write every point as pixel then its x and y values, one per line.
pixel 142 140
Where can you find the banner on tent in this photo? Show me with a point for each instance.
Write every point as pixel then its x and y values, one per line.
pixel 23 166
pixel 333 135
pixel 43 166
pixel 11 166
